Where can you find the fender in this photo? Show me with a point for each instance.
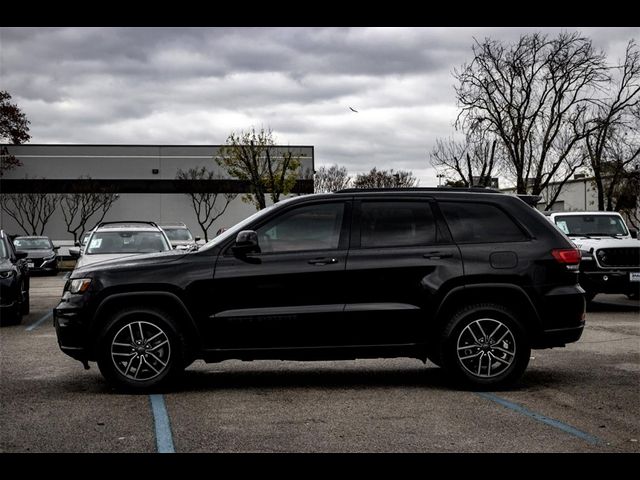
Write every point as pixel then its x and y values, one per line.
pixel 177 301
pixel 493 286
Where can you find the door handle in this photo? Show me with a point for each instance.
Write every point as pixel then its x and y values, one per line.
pixel 323 261
pixel 437 255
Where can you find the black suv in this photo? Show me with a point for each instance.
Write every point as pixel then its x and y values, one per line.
pixel 471 280
pixel 14 282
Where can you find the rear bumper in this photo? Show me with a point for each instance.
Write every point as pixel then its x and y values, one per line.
pixel 562 314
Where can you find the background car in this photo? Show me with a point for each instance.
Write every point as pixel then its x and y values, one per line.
pixel 42 255
pixel 111 240
pixel 180 236
pixel 14 282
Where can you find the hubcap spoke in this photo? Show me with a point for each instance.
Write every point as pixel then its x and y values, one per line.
pixel 489 358
pixel 136 358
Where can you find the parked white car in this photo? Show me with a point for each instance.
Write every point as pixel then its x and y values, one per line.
pixel 111 240
pixel 610 251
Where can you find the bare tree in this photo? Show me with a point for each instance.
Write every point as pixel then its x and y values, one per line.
pixel 473 161
pixel 613 141
pixel 331 179
pixel 31 211
pixel 14 128
pixel 250 156
pixel 78 208
pixel 385 179
pixel 532 95
pixel 202 199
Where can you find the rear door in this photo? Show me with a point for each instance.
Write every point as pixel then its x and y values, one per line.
pixel 400 257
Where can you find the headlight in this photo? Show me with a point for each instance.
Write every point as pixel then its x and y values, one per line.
pixel 79 285
pixel 7 274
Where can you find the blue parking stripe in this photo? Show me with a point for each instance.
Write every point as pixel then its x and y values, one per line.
pixel 546 420
pixel 39 322
pixel 164 440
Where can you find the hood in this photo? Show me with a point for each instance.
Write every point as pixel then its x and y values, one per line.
pixel 88 263
pixel 596 243
pixel 39 253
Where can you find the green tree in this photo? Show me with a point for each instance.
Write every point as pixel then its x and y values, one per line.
pixel 252 156
pixel 14 128
pixel 385 179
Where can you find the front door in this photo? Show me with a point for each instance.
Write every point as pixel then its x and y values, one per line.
pixel 292 293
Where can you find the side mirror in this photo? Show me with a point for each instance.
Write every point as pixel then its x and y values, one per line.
pixel 74 253
pixel 77 244
pixel 633 232
pixel 197 239
pixel 20 254
pixel 55 249
pixel 246 242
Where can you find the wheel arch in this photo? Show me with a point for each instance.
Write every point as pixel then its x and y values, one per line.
pixel 151 300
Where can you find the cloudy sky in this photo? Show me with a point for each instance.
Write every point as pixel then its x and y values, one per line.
pixel 196 85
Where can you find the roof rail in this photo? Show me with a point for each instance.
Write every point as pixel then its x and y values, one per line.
pixel 420 189
pixel 124 222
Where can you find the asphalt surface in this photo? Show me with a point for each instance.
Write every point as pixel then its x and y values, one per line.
pixel 582 398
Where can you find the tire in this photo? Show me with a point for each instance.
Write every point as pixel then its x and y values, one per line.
pixel 141 367
pixel 13 317
pixel 589 295
pixel 476 328
pixel 25 304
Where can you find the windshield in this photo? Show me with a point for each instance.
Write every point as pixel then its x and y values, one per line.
pixel 233 231
pixel 127 242
pixel 178 233
pixel 32 243
pixel 591 225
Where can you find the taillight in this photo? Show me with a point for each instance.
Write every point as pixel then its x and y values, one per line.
pixel 566 256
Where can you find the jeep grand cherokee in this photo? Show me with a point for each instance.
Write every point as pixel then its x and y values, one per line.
pixel 472 280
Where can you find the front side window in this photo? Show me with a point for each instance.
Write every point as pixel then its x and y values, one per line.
pixel 3 251
pixel 480 223
pixel 312 227
pixel 391 224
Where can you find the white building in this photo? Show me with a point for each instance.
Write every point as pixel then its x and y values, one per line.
pixel 142 175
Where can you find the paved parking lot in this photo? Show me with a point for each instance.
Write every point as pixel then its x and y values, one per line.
pixel 583 398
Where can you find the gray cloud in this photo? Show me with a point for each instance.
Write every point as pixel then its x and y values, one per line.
pixel 196 85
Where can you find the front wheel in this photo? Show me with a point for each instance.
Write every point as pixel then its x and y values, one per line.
pixel 485 346
pixel 140 350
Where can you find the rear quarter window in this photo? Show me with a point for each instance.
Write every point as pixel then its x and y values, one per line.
pixel 480 223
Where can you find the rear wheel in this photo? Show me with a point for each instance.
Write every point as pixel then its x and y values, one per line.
pixel 485 346
pixel 140 350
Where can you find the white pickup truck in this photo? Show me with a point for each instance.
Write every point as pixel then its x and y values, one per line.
pixel 610 251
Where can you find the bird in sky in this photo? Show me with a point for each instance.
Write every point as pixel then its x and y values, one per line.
pixel 353 109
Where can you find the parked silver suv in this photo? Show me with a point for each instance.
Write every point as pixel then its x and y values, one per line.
pixel 180 236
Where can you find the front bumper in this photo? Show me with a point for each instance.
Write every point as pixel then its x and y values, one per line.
pixel 50 265
pixel 71 330
pixel 595 280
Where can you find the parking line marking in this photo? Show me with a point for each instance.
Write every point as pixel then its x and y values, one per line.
pixel 37 324
pixel 541 418
pixel 164 440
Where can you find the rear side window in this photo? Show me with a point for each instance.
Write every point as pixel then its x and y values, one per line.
pixel 392 224
pixel 480 223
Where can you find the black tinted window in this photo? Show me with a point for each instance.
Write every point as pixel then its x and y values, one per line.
pixel 480 223
pixel 314 227
pixel 388 224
